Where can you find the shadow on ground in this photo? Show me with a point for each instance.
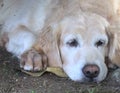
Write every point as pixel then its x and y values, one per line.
pixel 13 80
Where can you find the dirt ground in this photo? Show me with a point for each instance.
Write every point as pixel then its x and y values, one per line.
pixel 12 80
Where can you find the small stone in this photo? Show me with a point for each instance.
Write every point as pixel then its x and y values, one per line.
pixel 16 80
pixel 116 75
pixel 24 77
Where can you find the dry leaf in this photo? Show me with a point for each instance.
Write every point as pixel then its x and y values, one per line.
pixel 55 70
pixel 35 74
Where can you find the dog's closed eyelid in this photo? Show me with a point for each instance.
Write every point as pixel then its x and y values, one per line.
pixel 73 43
pixel 100 43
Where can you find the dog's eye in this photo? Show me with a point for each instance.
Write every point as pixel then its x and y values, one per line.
pixel 100 43
pixel 72 43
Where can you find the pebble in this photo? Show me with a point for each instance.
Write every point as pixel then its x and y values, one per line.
pixel 24 77
pixel 116 75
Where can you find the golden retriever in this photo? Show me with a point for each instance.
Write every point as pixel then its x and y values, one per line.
pixel 76 35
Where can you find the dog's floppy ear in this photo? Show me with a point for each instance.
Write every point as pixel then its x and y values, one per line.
pixel 114 44
pixel 48 42
pixel 56 32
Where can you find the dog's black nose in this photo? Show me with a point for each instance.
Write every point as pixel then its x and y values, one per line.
pixel 91 71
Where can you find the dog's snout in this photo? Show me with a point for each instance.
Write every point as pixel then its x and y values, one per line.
pixel 91 71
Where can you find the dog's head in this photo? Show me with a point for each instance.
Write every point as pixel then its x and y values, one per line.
pixel 84 42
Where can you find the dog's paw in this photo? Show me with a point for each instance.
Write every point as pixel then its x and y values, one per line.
pixel 33 61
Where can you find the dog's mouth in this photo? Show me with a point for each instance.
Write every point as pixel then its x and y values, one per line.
pixel 91 80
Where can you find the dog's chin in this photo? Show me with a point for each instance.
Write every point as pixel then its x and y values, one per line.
pixel 87 80
pixel 80 77
pixel 91 80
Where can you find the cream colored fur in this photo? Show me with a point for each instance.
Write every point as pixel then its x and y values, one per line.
pixel 48 25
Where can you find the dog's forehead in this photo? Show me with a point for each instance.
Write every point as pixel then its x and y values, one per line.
pixel 84 27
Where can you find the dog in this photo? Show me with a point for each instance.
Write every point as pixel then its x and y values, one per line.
pixel 76 35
